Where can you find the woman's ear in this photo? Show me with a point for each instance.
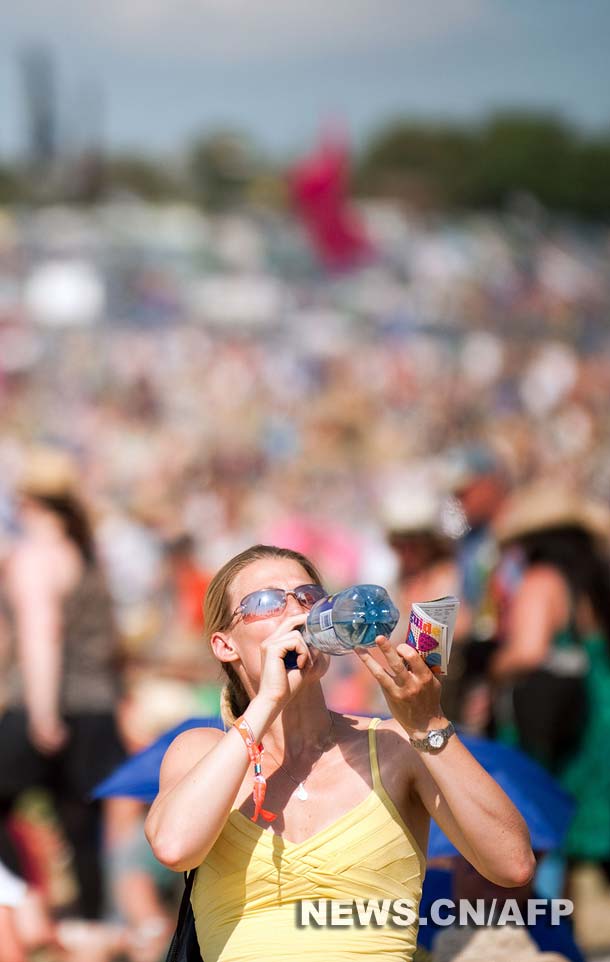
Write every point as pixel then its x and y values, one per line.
pixel 223 647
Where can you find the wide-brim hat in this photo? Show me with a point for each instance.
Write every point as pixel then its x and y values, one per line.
pixel 544 505
pixel 48 472
pixel 410 512
pixel 410 499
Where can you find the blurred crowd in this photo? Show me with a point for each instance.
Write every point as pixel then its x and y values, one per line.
pixel 175 387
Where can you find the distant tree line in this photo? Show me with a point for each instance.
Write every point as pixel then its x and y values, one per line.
pixel 482 167
pixel 438 165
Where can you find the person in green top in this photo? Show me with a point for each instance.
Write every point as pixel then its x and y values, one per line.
pixel 553 668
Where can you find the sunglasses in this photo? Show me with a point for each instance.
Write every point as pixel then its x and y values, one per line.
pixel 269 602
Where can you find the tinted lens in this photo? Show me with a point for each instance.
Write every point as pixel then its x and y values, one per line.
pixel 263 604
pixel 272 601
pixel 307 595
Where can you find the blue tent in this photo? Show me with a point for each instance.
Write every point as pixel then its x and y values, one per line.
pixel 546 808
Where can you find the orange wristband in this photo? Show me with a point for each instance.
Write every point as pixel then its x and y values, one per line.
pixel 255 751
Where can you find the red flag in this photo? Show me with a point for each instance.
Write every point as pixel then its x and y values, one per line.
pixel 319 192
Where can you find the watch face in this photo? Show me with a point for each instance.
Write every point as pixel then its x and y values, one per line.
pixel 436 740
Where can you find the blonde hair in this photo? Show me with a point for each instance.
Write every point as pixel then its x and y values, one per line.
pixel 217 613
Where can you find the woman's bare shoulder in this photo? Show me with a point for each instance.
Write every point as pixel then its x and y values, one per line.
pixel 544 586
pixel 399 762
pixel 544 578
pixel 363 722
pixel 34 567
pixel 396 738
pixel 193 740
pixel 26 558
pixel 185 751
pixel 355 722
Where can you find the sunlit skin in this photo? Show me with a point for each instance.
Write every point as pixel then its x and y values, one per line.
pixel 241 644
pixel 44 565
pixel 208 770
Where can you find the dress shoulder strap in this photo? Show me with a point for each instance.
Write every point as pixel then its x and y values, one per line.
pixel 374 762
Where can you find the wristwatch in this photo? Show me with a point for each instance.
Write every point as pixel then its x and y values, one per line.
pixel 436 739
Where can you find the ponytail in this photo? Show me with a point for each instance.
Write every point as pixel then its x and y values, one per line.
pixel 234 699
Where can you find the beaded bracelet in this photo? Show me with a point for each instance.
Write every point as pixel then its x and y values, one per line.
pixel 255 751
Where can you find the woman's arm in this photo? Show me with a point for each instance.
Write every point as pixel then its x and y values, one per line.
pixel 474 813
pixel 470 807
pixel 37 606
pixel 540 608
pixel 200 777
pixel 203 768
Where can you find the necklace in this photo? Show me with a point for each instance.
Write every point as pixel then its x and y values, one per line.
pixel 301 793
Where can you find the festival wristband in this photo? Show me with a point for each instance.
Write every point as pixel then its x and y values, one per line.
pixel 255 751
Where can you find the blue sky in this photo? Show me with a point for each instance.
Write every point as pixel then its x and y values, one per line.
pixel 170 69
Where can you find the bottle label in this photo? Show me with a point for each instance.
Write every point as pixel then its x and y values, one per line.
pixel 326 618
pixel 325 634
pixel 327 637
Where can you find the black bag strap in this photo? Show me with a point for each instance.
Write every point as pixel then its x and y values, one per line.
pixel 177 947
pixel 189 878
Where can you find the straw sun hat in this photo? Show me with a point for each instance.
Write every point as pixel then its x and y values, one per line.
pixel 48 472
pixel 543 505
pixel 410 512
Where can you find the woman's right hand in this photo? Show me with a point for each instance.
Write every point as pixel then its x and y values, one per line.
pixel 48 734
pixel 277 684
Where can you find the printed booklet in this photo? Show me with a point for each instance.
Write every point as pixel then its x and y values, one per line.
pixel 431 628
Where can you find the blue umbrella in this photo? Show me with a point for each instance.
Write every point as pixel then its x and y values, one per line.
pixel 546 808
pixel 138 777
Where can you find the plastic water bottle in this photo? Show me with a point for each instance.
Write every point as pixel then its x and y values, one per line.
pixel 350 618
